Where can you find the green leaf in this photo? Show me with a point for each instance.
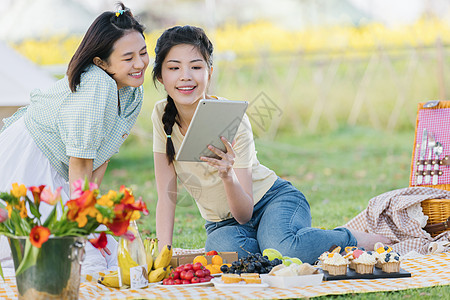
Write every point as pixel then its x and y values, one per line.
pixel 8 197
pixel 34 210
pixel 17 221
pixel 86 184
pixel 51 217
pixel 16 244
pixel 29 259
pixel 1 273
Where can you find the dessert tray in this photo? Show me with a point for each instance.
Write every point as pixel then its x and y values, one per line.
pixel 377 273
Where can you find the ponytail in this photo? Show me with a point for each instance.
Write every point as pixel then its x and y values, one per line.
pixel 169 119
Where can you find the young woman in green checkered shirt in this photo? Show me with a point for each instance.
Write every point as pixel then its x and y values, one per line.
pixel 72 129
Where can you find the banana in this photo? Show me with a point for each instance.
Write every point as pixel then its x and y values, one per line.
pixel 164 257
pixel 148 252
pixel 169 270
pixel 155 249
pixel 110 280
pixel 157 275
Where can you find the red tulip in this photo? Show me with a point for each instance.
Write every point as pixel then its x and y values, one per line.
pixel 99 242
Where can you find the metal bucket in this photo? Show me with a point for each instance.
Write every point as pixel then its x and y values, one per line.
pixel 56 274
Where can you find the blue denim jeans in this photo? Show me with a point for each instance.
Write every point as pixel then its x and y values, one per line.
pixel 281 220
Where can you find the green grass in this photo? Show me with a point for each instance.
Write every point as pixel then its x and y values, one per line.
pixel 339 172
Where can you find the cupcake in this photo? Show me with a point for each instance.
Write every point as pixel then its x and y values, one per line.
pixel 380 249
pixel 352 253
pixel 322 258
pixel 364 263
pixel 327 254
pixel 231 278
pixel 336 264
pixel 390 262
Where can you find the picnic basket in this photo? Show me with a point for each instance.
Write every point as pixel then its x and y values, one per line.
pixel 433 116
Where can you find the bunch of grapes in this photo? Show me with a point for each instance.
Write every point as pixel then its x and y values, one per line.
pixel 254 263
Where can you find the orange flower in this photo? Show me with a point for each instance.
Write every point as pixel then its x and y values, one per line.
pixel 36 191
pixel 39 235
pixel 80 207
pixel 138 205
pixel 128 197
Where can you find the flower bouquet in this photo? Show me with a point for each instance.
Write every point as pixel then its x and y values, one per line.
pixel 79 217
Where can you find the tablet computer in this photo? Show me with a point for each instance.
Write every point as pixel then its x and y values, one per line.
pixel 212 119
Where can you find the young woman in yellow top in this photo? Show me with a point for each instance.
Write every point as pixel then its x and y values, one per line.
pixel 245 205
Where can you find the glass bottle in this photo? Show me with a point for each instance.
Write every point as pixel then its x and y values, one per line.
pixel 132 260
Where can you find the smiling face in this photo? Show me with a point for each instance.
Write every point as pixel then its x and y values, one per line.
pixel 185 75
pixel 128 60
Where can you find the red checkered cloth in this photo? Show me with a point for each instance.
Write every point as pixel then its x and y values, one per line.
pixel 387 215
pixel 437 122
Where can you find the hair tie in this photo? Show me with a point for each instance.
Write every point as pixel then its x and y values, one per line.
pixel 169 136
pixel 119 12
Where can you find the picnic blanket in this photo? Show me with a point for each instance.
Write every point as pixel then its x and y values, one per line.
pixel 429 270
pixel 389 214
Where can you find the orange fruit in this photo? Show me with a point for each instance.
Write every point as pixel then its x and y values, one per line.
pixel 217 260
pixel 201 259
pixel 213 269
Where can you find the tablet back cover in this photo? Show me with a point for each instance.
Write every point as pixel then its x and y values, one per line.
pixel 212 119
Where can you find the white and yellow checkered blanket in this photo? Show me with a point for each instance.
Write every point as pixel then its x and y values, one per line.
pixel 427 271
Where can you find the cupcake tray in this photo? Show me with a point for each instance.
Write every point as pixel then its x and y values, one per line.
pixel 377 273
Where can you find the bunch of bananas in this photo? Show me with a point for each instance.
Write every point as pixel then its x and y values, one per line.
pixel 157 264
pixel 157 261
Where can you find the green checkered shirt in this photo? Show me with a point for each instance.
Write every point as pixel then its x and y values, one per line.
pixel 85 124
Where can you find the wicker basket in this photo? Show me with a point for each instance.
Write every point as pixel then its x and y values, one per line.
pixel 438 211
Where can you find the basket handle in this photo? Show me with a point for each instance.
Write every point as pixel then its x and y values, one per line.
pixel 438 226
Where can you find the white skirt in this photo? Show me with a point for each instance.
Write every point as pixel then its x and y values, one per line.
pixel 23 162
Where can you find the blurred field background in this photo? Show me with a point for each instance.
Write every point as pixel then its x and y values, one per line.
pixel 333 88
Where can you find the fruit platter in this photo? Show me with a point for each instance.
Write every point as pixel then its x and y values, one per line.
pixel 189 274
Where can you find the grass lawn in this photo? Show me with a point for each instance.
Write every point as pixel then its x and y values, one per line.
pixel 339 172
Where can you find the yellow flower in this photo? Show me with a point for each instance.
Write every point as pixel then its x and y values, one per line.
pixel 23 209
pixel 105 200
pixel 101 219
pixel 9 208
pixel 18 191
pixel 81 219
pixel 136 215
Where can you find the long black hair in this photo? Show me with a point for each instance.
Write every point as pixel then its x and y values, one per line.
pixel 99 41
pixel 178 35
